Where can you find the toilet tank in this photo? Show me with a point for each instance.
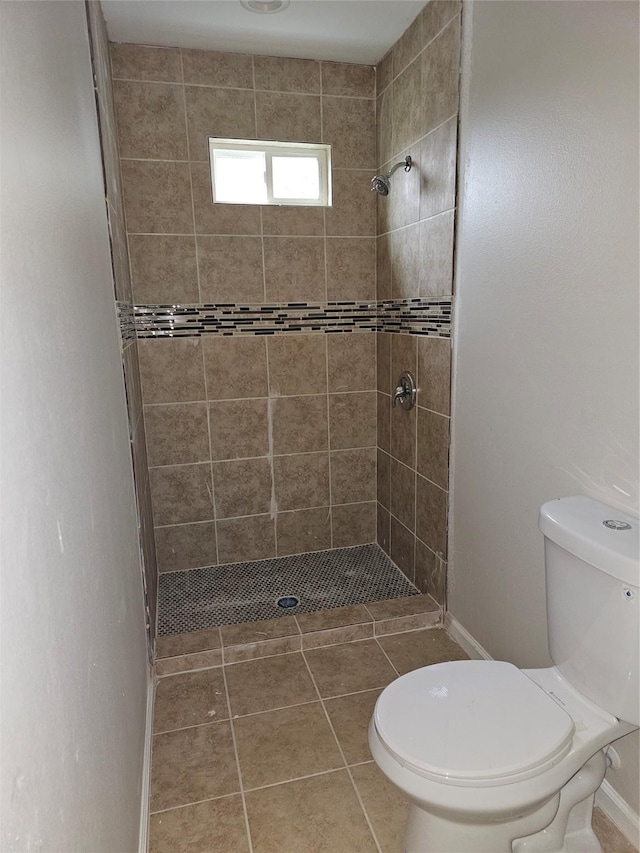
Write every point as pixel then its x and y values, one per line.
pixel 592 566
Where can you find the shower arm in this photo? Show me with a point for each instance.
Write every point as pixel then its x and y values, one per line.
pixel 407 163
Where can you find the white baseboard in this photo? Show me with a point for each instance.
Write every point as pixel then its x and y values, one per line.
pixel 460 634
pixel 619 812
pixel 607 798
pixel 146 766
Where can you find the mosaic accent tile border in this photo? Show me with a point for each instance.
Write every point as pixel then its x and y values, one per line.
pixel 127 323
pixel 246 592
pixel 431 316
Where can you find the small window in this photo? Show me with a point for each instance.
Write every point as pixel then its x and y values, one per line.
pixel 245 171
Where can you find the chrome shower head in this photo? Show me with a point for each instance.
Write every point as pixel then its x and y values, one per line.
pixel 381 184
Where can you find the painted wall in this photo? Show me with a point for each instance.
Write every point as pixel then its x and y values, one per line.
pixel 546 364
pixel 73 662
pixel 417 115
pixel 258 447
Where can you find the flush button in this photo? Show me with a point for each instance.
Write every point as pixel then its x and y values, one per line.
pixel 612 524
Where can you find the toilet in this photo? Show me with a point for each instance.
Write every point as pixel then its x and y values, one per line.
pixel 494 759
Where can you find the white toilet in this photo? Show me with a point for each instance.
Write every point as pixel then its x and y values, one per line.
pixel 494 759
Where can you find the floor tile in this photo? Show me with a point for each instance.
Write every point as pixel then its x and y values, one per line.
pixel 421 648
pixel 261 685
pixel 255 632
pixel 350 717
pixel 385 805
pixel 610 837
pixel 396 607
pixel 214 825
pixel 184 644
pixel 287 744
pixel 349 667
pixel 192 765
pixel 317 815
pixel 335 617
pixel 190 699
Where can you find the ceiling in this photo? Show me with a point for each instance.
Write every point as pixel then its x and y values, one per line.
pixel 359 31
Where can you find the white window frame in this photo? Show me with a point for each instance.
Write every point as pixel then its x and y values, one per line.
pixel 270 148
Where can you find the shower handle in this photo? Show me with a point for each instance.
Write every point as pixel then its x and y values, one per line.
pixel 405 392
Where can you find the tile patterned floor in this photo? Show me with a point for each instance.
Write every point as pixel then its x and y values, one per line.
pixel 271 755
pixel 242 592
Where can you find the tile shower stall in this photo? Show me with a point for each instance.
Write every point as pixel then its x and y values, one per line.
pixel 261 344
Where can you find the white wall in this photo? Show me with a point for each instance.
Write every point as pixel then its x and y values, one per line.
pixel 73 656
pixel 546 350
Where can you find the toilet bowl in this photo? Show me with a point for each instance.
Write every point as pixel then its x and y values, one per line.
pixel 494 759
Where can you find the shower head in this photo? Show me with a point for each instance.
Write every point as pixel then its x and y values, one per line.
pixel 381 184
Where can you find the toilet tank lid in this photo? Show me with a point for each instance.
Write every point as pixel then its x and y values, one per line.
pixel 577 524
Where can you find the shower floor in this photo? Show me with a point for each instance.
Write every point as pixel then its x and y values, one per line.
pixel 246 592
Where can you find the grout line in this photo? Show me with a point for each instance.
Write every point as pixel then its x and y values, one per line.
pixel 195 803
pixel 296 779
pixel 377 639
pixel 335 737
pixel 237 757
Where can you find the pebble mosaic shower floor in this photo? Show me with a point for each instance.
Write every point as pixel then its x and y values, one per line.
pixel 246 592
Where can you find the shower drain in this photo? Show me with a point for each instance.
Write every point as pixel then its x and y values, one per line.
pixel 288 601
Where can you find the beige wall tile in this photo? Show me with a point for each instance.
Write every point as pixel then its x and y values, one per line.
pixel 405 262
pixel 383 416
pixel 384 72
pixel 151 120
pixel 436 255
pixel 288 117
pixel 301 480
pixel 171 370
pixel 403 356
pixel 186 546
pixel 177 433
pixel 120 255
pixel 217 824
pixel 356 81
pixel 408 46
pixel 383 528
pixel 438 170
pixel 436 15
pixel 402 205
pixel 235 367
pixel 239 429
pixel 242 487
pixel 351 268
pixel 209 68
pixel 213 218
pixel 440 70
pixel 383 361
pixel 283 221
pixel 431 516
pixel 403 493
pixel 352 420
pixel 297 365
pixel 280 74
pixel 434 374
pixel 384 478
pixel 157 197
pixel 403 436
pixel 227 113
pixel 433 447
pixel 384 126
pixel 303 530
pixel 163 269
pixel 430 574
pixel 230 269
pixel 349 124
pixel 402 548
pixel 251 538
pixel 353 213
pixel 294 269
pixel 407 111
pixel 353 524
pixel 383 267
pixel 181 493
pixel 300 424
pixel 353 475
pixel 135 62
pixel 352 361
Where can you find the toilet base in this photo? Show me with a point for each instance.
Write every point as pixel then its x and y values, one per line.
pixel 427 832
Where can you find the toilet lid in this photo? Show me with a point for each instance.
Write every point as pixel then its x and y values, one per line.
pixel 469 722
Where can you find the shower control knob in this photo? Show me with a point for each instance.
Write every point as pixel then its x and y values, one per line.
pixel 405 393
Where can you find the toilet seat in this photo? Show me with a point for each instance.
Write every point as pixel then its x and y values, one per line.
pixel 472 723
